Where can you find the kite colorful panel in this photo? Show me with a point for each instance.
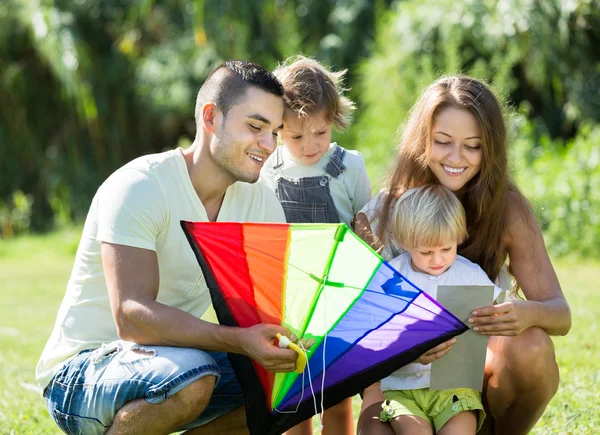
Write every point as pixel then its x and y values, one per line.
pixel 324 284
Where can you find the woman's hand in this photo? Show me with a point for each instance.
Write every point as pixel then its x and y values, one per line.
pixel 510 318
pixel 437 352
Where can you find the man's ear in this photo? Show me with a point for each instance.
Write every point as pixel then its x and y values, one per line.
pixel 210 114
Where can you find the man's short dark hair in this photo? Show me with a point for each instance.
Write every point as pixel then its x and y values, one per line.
pixel 229 82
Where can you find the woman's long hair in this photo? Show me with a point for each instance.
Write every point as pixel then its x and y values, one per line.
pixel 484 196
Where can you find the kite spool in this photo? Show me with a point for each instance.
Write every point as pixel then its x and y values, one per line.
pixel 285 343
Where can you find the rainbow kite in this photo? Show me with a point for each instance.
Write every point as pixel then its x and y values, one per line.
pixel 324 284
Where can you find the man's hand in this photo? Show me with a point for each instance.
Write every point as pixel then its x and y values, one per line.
pixel 258 344
pixel 437 352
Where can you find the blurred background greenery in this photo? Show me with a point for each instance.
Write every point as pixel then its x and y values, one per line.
pixel 86 86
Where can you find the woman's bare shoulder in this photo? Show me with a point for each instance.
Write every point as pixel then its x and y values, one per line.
pixel 519 218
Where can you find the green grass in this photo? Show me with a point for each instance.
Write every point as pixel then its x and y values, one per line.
pixel 33 276
pixel 34 272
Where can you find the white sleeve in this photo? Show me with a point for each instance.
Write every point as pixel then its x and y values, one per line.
pixel 273 209
pixel 483 279
pixel 267 176
pixel 371 207
pixel 132 209
pixel 362 189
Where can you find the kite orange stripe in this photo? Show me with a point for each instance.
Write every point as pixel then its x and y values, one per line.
pixel 265 247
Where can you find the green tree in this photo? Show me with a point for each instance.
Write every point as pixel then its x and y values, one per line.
pixel 541 56
pixel 89 85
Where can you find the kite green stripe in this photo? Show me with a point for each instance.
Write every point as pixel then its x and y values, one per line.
pixel 289 378
pixel 305 255
pixel 313 304
pixel 329 283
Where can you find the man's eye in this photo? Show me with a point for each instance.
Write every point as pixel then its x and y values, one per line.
pixel 254 127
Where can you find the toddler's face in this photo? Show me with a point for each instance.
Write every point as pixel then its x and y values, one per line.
pixel 433 260
pixel 307 139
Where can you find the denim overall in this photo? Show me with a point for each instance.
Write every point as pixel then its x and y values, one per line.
pixel 308 199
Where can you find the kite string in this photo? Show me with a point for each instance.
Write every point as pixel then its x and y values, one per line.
pixel 323 383
pixel 324 362
pixel 312 390
pixel 299 400
pixel 302 393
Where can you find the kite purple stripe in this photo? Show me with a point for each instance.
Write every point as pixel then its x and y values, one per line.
pixel 417 324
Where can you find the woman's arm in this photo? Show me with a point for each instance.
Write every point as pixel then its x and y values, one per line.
pixel 362 228
pixel 546 306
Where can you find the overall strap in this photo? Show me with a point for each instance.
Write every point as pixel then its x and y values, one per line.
pixel 335 166
pixel 278 158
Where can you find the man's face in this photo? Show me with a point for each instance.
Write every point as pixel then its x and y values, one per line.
pixel 247 136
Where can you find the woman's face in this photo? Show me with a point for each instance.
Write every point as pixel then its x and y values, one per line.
pixel 456 151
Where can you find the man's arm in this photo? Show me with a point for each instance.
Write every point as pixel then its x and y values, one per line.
pixel 132 279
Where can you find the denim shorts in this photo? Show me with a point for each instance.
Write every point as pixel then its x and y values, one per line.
pixel 89 389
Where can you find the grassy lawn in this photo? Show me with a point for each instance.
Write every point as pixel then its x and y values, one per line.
pixel 34 272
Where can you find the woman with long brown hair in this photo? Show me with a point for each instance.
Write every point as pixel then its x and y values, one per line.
pixel 456 137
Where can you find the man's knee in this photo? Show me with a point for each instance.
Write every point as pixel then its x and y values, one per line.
pixel 192 400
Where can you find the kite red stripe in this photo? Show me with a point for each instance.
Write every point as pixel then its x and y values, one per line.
pixel 222 251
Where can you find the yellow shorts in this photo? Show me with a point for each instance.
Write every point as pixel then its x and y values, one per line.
pixel 434 406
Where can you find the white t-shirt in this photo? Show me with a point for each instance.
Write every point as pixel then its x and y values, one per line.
pixel 462 272
pixel 141 205
pixel 350 191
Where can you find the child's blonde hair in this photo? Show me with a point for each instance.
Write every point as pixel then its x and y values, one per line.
pixel 428 216
pixel 309 87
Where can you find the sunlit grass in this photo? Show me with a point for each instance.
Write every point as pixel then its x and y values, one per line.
pixel 34 272
pixel 33 275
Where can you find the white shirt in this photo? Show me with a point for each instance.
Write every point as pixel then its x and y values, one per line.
pixel 141 205
pixel 350 191
pixel 462 272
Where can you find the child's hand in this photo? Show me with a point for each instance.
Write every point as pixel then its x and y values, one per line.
pixel 306 343
pixel 437 352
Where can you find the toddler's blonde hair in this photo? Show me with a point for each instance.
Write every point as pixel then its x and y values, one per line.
pixel 428 216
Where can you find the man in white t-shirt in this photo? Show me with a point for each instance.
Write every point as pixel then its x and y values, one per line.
pixel 129 353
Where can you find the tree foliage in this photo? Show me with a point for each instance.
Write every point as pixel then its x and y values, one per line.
pixel 542 57
pixel 88 85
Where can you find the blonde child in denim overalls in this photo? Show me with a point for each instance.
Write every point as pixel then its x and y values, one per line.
pixel 315 180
